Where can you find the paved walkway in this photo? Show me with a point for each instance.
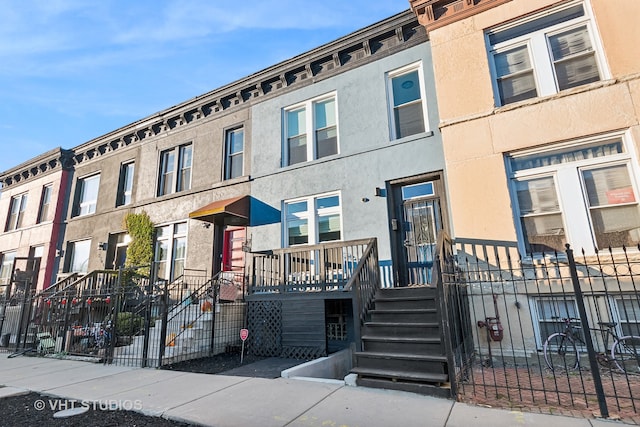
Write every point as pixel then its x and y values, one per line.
pixel 217 400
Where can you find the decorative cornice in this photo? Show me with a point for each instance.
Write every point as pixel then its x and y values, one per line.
pixel 49 162
pixel 377 41
pixel 438 13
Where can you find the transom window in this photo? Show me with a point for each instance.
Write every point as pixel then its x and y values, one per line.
pixel 87 195
pixel 313 220
pixel 16 212
pixel 175 170
pixel 407 101
pixel 234 153
pixel 311 130
pixel 584 194
pixel 544 54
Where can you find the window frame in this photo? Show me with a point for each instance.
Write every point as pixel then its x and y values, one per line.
pixel 539 49
pixel 45 203
pixel 178 170
pixel 311 129
pixel 570 187
pixel 399 72
pixel 80 203
pixel 72 250
pixel 172 244
pixel 6 266
pixel 229 156
pixel 312 214
pixel 537 320
pixel 19 204
pixel 125 183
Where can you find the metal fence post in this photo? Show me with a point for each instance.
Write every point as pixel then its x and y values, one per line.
pixel 165 319
pixel 593 361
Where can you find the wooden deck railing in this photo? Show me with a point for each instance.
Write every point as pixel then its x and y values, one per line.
pixel 315 268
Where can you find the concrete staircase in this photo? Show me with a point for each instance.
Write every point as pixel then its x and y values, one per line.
pixel 402 343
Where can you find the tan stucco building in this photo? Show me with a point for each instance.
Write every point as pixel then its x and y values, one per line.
pixel 539 104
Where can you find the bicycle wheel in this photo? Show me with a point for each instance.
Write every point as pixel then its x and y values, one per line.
pixel 626 354
pixel 561 352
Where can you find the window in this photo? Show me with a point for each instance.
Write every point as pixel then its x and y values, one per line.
pixel 87 195
pixel 16 212
pixel 628 309
pixel 78 258
pixel 234 153
pixel 312 130
pixel 45 201
pixel 170 251
pixel 313 220
pixel 6 267
pixel 548 313
pixel 175 170
pixel 125 184
pixel 407 101
pixel 584 194
pixel 547 53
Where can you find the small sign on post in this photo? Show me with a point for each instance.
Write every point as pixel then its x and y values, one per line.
pixel 244 334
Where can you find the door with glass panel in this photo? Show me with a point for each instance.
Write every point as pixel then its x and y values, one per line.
pixel 421 222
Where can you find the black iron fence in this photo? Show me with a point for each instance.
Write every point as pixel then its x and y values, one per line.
pixel 123 317
pixel 556 331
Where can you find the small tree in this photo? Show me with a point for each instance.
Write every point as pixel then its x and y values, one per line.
pixel 140 250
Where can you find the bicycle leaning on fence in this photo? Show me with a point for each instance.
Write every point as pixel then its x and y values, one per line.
pixel 561 348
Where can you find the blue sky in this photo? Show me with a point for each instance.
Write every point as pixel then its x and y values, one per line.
pixel 73 70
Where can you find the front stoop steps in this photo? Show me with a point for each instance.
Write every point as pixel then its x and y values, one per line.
pixel 402 344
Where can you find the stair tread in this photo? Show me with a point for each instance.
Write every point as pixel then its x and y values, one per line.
pixel 405 310
pixel 391 373
pixel 406 356
pixel 400 339
pixel 409 324
pixel 405 298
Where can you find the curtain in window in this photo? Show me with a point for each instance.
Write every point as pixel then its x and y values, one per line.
pixel 540 215
pixel 515 75
pixel 574 58
pixel 613 206
pixel 568 155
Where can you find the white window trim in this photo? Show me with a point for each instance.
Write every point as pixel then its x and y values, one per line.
pixel 533 309
pixel 308 106
pixel 176 172
pixel 72 246
pixel 423 98
pixel 171 247
pixel 22 200
pixel 573 199
pixel 122 184
pixel 227 151
pixel 80 183
pixel 311 215
pixel 542 63
pixel 42 217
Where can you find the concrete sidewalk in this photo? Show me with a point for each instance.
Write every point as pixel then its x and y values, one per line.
pixel 217 400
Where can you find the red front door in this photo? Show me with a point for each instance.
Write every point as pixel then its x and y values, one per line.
pixel 232 253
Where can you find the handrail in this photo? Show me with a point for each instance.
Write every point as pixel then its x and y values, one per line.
pixel 365 282
pixel 72 285
pixel 61 283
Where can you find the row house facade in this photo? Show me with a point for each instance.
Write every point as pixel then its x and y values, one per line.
pixel 339 143
pixel 540 99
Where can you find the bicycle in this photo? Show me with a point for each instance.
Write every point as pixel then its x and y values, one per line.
pixel 561 351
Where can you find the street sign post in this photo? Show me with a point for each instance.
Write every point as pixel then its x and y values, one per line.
pixel 244 334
